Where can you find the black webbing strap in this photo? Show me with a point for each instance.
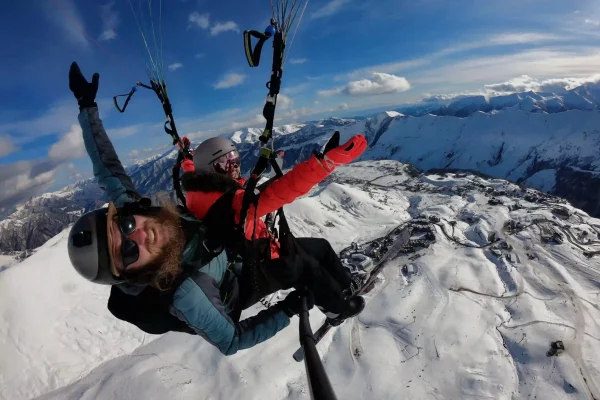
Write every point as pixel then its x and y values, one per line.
pixel 274 85
pixel 283 224
pixel 159 88
pixel 253 55
pixel 171 130
pixel 276 167
pixel 122 109
pixel 177 180
pixel 250 195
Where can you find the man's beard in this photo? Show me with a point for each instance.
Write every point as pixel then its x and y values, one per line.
pixel 165 267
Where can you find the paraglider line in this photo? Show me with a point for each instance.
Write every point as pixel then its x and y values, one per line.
pixel 295 31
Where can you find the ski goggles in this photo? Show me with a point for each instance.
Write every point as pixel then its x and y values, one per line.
pixel 227 163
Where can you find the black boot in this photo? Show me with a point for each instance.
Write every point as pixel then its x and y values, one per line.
pixel 355 306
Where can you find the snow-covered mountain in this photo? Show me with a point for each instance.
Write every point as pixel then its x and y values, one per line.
pixel 471 313
pixel 586 97
pixel 41 218
pixel 546 141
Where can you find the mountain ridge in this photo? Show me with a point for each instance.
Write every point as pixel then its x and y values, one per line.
pixel 558 152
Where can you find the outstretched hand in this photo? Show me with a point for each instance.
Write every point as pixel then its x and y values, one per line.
pixel 185 149
pixel 334 155
pixel 84 91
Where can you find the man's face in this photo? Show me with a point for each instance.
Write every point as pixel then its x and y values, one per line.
pixel 150 235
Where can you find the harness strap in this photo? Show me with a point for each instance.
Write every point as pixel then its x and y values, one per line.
pixel 177 181
pixel 274 85
pixel 253 55
pixel 159 88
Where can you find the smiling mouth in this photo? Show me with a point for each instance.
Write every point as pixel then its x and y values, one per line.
pixel 151 236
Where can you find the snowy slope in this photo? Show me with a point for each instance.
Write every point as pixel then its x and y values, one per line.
pixel 467 322
pixel 504 144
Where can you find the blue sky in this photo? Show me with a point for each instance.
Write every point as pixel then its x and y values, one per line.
pixel 348 56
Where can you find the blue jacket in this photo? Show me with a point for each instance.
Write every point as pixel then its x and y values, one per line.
pixel 198 299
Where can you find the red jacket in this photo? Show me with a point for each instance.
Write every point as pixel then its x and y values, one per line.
pixel 284 190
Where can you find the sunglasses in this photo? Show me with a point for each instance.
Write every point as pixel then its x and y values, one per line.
pixel 130 252
pixel 227 163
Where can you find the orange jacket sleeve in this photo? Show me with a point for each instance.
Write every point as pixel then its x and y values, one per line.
pixel 188 165
pixel 284 190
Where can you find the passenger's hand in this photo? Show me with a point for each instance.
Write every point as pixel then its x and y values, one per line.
pixel 84 91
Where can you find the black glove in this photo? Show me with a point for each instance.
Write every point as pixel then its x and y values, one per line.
pixel 331 144
pixel 84 91
pixel 292 304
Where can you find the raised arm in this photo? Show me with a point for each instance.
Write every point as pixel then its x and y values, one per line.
pixel 304 176
pixel 107 167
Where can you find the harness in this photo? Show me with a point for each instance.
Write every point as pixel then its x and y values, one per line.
pixel 253 252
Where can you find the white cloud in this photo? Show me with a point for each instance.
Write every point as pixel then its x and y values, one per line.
pixel 284 102
pixel 254 121
pixel 444 98
pixel 505 39
pixel 6 145
pixel 198 56
pixel 24 179
pixel 331 92
pixel 298 60
pixel 380 83
pixel 526 83
pixel 515 38
pixel 575 62
pixel 126 131
pixel 134 154
pixel 202 21
pixel 230 80
pixel 297 88
pixel 108 34
pixel 592 22
pixel 343 106
pixel 67 18
pixel 224 27
pixel 110 21
pixel 175 66
pixel 69 146
pixel 57 118
pixel 333 7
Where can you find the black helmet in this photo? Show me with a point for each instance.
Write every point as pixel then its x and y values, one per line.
pixel 88 248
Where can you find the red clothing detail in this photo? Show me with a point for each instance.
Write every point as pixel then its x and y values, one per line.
pixel 188 165
pixel 284 190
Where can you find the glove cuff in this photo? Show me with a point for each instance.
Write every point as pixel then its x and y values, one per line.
pixel 83 104
pixel 287 311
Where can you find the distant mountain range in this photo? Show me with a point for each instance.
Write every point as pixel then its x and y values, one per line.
pixel 586 97
pixel 543 140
